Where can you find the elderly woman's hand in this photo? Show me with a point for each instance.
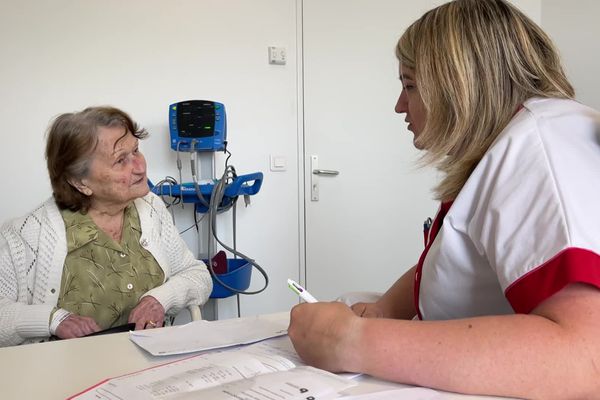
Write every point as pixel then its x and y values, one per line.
pixel 149 313
pixel 76 326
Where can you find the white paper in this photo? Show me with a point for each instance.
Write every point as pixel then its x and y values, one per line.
pixel 208 335
pixel 241 373
pixel 295 384
pixel 413 393
pixel 282 346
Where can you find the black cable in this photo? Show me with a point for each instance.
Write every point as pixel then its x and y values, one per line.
pixel 176 200
pixel 196 217
pixel 228 154
pixel 196 224
pixel 172 182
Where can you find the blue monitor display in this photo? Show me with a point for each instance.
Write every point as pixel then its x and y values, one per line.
pixel 197 125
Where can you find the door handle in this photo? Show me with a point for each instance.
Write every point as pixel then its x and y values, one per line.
pixel 329 172
pixel 314 177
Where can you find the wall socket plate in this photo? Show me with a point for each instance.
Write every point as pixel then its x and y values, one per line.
pixel 277 55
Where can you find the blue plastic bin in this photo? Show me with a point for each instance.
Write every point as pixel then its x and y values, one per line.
pixel 238 277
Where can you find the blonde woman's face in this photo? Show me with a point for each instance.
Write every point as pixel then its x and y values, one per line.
pixel 410 103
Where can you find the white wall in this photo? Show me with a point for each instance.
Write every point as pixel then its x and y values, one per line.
pixel 141 55
pixel 573 25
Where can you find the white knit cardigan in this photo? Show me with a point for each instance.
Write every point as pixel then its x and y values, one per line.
pixel 32 254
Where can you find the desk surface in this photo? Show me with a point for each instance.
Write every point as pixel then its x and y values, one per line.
pixel 57 370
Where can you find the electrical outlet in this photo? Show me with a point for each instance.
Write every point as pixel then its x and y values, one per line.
pixel 277 55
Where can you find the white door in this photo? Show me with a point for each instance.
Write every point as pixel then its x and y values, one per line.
pixel 365 229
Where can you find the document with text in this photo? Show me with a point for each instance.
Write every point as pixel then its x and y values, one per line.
pixel 256 372
pixel 209 335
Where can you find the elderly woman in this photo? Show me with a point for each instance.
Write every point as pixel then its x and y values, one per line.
pixel 103 251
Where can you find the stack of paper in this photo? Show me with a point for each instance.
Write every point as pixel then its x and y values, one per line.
pixel 258 372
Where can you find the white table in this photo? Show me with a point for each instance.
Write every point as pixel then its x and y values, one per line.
pixel 57 370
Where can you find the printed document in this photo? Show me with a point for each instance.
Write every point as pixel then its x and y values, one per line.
pixel 256 372
pixel 209 335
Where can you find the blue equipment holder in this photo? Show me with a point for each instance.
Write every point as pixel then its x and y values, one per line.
pixel 242 185
pixel 238 276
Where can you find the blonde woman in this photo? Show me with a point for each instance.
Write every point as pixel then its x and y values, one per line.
pixel 505 298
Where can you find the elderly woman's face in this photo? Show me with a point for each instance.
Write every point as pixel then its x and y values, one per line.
pixel 117 172
pixel 410 102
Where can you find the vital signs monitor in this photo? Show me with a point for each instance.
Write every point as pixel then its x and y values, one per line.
pixel 197 125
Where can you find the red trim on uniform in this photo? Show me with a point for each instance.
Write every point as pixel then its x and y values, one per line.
pixel 572 265
pixel 435 228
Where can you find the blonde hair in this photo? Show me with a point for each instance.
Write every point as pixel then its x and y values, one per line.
pixel 475 62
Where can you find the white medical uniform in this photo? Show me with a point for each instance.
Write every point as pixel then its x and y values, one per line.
pixel 525 224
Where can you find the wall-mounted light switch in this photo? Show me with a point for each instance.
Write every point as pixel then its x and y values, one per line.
pixel 278 163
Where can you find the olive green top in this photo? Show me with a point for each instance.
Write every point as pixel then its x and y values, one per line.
pixel 103 279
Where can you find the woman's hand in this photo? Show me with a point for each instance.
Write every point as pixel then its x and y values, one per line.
pixel 149 313
pixel 325 335
pixel 368 310
pixel 76 326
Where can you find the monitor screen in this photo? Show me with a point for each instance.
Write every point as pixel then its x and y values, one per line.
pixel 196 119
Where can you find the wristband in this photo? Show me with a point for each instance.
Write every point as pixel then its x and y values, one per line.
pixel 59 316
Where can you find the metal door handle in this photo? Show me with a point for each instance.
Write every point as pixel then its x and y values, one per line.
pixel 314 177
pixel 325 172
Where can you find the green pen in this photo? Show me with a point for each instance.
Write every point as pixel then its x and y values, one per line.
pixel 300 291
